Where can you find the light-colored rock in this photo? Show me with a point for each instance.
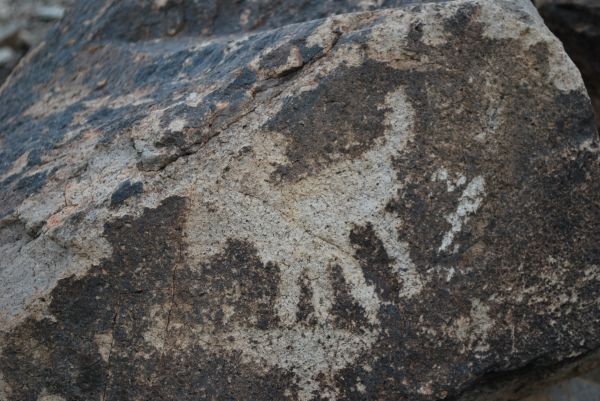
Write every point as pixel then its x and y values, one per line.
pixel 395 204
pixel 7 56
pixel 49 13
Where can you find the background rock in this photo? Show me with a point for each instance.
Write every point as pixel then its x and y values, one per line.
pixel 389 205
pixel 577 25
pixel 23 24
pixel 582 388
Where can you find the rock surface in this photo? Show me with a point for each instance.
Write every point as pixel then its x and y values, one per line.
pixel 208 201
pixel 577 25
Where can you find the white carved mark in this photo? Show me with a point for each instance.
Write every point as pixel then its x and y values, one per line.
pixel 468 204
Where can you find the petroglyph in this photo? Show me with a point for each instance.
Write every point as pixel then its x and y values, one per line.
pixel 468 204
pixel 304 228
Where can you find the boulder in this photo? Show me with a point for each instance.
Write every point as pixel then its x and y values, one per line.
pixel 238 200
pixel 577 24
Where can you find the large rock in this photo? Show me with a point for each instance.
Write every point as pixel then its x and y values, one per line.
pixel 577 25
pixel 392 205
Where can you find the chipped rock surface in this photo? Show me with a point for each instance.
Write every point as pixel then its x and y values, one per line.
pixel 241 201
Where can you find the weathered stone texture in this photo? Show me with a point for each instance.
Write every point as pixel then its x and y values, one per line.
pixel 207 201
